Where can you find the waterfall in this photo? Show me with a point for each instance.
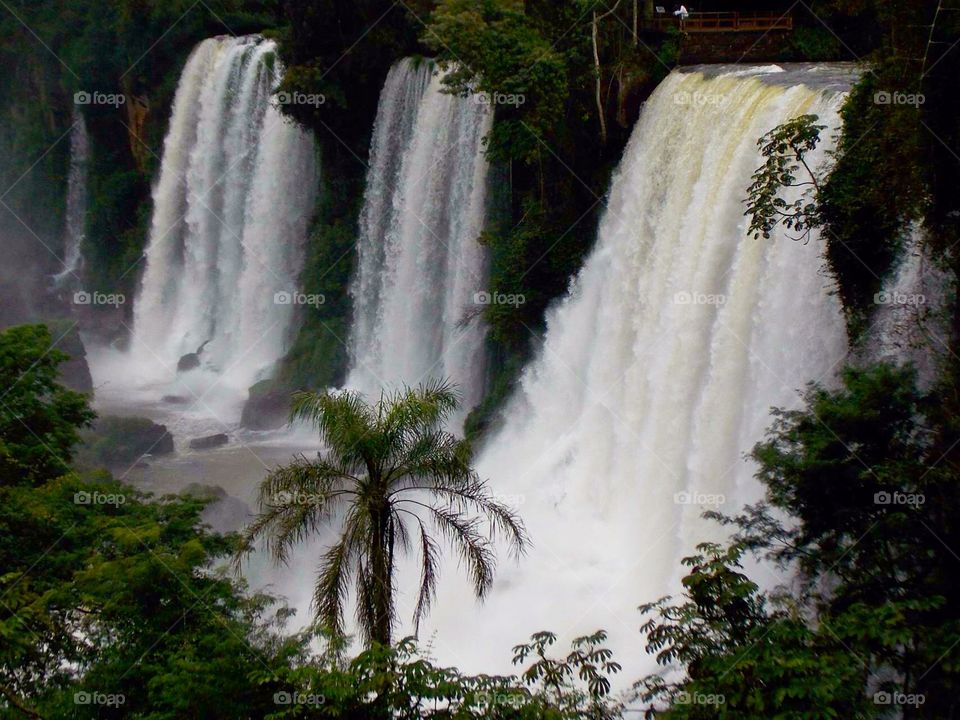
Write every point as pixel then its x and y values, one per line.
pixel 76 210
pixel 231 207
pixel 656 374
pixel 911 318
pixel 420 265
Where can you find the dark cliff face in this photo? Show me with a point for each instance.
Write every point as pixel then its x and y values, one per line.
pixel 34 162
pixel 31 234
pixel 22 295
pixel 725 47
pixel 34 165
pixel 75 372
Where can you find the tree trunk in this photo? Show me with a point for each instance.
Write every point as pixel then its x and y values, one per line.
pixel 381 571
pixel 599 98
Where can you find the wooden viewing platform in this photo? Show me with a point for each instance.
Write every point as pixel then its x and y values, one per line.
pixel 704 22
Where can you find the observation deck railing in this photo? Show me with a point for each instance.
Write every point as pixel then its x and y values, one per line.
pixel 702 22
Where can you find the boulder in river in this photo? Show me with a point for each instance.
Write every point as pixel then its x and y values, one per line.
pixel 119 442
pixel 224 513
pixel 190 361
pixel 210 441
pixel 267 407
pixel 75 371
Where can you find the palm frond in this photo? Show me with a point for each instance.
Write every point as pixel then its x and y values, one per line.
pixel 429 568
pixel 473 495
pixel 436 454
pixel 295 500
pixel 319 479
pixel 339 564
pixel 365 613
pixel 463 534
pixel 333 584
pixel 414 410
pixel 345 422
pixel 401 533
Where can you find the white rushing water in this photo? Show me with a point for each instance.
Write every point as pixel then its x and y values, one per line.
pixel 420 265
pixel 231 207
pixel 76 207
pixel 656 375
pixel 910 322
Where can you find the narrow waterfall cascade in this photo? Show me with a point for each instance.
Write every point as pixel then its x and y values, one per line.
pixel 657 372
pixel 76 208
pixel 911 320
pixel 231 207
pixel 421 266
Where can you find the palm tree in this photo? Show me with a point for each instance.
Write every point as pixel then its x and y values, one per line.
pixel 390 479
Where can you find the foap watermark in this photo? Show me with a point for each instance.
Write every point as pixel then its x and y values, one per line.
pixel 886 97
pixel 499 98
pixel 899 498
pixel 692 497
pixel 298 698
pixel 297 497
pixel 697 298
pixel 892 297
pixel 699 698
pixel 298 298
pixel 510 500
pixel 83 97
pixel 98 498
pixel 492 699
pixel 701 99
pixel 99 698
pixel 497 298
pixel 82 297
pixel 299 98
pixel 899 698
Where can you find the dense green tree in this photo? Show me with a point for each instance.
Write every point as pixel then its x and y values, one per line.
pixel 895 167
pixel 745 655
pixel 389 474
pixel 343 49
pixel 110 602
pixel 39 418
pixel 112 606
pixel 399 682
pixel 870 471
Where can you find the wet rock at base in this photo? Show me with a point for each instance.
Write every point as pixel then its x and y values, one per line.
pixel 188 362
pixel 224 513
pixel 210 441
pixel 267 407
pixel 119 442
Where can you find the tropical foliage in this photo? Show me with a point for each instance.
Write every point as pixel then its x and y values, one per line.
pixel 39 418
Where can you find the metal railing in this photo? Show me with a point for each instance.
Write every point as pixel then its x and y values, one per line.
pixel 725 22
